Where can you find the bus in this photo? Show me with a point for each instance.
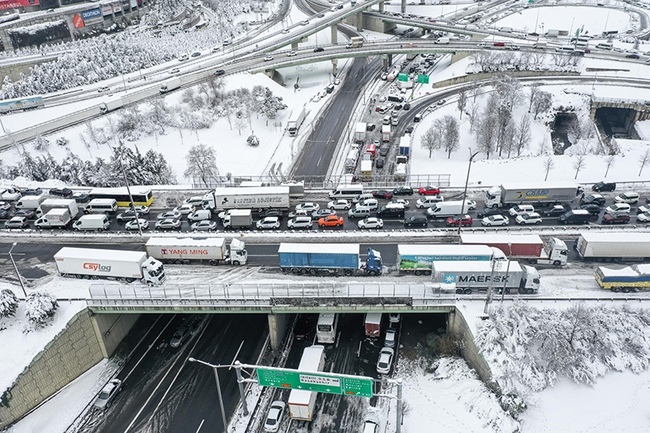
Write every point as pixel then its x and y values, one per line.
pixel 302 402
pixel 326 328
pixel 142 195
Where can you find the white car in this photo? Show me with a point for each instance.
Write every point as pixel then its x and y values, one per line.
pixel 643 217
pixel 268 223
pixel 528 218
pixel 10 195
pixel 185 209
pixel 371 223
pixel 643 209
pixel 470 204
pixel 274 417
pixel 107 394
pixel 627 197
pixel 370 203
pixel 385 360
pixel 133 224
pixel 183 58
pixel 341 204
pixel 401 201
pixel 169 214
pixel 292 54
pixel 308 206
pixel 618 208
pixel 521 209
pixel 390 338
pixel 268 58
pixel 495 220
pixel 223 214
pixel 394 317
pixel 103 89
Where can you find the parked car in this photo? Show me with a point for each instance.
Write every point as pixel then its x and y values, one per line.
pixel 185 209
pixel 593 209
pixel 10 194
pixel 268 223
pixel 298 213
pixel 627 197
pixel 383 194
pixel 303 327
pixel 384 151
pixel 27 213
pixel 341 204
pixel 274 417
pixel 196 54
pixel 521 209
pixel 81 197
pixel 528 218
pixel 330 221
pixel 385 361
pixel 416 221
pixel 495 220
pixel 169 214
pixel 292 54
pixel 126 216
pixel 133 224
pixel 5 205
pixel 168 224
pixel 219 72
pixel 603 186
pixel 319 49
pixel 453 221
pixel 403 190
pixel 618 208
pixel 17 222
pixel 405 203
pixel 107 394
pixel 619 218
pixel 4 214
pixel 204 226
pixel 371 223
pixel 593 199
pixel 379 163
pixel 308 206
pixel 429 190
pixel 103 89
pixel 268 58
pixel 31 191
pixel 63 192
pixel 300 222
pixel 370 203
pixel 643 217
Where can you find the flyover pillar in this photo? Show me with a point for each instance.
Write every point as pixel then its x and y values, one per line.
pixel 335 34
pixel 335 69
pixel 403 7
pixel 278 324
pixel 360 22
pixel 294 46
pixel 381 6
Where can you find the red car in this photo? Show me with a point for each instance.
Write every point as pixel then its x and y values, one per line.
pixel 429 190
pixel 453 221
pixel 616 218
pixel 387 195
pixel 330 221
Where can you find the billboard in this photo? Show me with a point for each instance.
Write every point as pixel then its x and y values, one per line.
pixel 15 4
pixel 92 16
pixel 117 7
pixel 134 4
pixel 107 10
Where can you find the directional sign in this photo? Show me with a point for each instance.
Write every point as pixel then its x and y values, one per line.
pixel 311 381
pixel 423 79
pixel 403 77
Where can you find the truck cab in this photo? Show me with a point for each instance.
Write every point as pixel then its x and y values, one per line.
pixel 153 272
pixel 237 253
pixel 373 264
pixel 558 252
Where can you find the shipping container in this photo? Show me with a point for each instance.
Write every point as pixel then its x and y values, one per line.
pixel 532 193
pixel 469 276
pixel 614 246
pixel 418 258
pixel 276 197
pixel 185 250
pixel 332 258
pixel 629 279
pixel 523 247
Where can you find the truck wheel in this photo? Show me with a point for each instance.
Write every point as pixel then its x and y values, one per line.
pixel 347 272
pixel 459 291
pixel 372 273
pixel 235 263
pixel 418 272
pixel 313 271
pixel 129 280
pixel 215 262
pixel 426 273
pixel 538 223
pixel 616 289
pixel 79 276
pixel 468 291
pixel 495 206
pixel 530 292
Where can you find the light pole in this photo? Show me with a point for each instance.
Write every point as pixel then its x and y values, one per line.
pixel 462 206
pixel 216 378
pixel 505 281
pixel 13 262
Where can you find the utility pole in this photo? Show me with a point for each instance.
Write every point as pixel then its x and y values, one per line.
pixel 462 206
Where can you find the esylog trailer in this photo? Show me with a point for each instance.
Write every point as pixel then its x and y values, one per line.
pixel 481 275
pixel 418 259
pixel 629 279
pixel 613 246
pixel 90 263
pixel 330 258
pixel 510 194
pixel 523 247
pixel 185 250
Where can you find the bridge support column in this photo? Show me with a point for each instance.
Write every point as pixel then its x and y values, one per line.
pixel 458 55
pixel 381 6
pixel 335 34
pixel 335 67
pixel 403 7
pixel 360 22
pixel 278 324
pixel 388 61
pixel 294 46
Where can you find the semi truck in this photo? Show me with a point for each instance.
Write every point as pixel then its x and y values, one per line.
pixel 295 121
pixel 360 132
pixel 328 258
pixel 405 145
pixel 92 263
pixel 302 402
pixel 170 84
pixel 26 103
pixel 55 218
pixel 351 160
pixel 629 279
pixel 58 203
pixel 523 247
pixel 372 324
pixel 111 105
pixel 506 195
pixel 185 250
pixel 238 219
pixel 276 197
pixel 480 275
pixel 613 246
pixel 366 170
pixel 418 259
pixel 355 42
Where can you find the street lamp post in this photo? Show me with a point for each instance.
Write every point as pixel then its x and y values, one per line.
pixel 505 280
pixel 462 206
pixel 13 262
pixel 216 378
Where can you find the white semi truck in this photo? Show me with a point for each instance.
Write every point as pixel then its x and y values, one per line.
pixel 469 276
pixel 171 84
pixel 92 263
pixel 276 197
pixel 523 247
pixel 186 250
pixel 614 246
pixel 295 121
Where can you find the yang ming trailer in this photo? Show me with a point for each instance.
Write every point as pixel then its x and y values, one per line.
pixel 186 250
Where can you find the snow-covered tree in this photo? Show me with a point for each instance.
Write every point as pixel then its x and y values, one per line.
pixel 432 138
pixel 542 103
pixel 253 140
pixel 462 101
pixel 40 307
pixel 202 164
pixel 451 135
pixel 609 162
pixel 579 164
pixel 549 165
pixel 643 160
pixel 8 303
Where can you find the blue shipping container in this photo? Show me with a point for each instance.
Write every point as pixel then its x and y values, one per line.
pixel 333 256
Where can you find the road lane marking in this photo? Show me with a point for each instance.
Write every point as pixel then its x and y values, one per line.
pixel 148 348
pixel 200 425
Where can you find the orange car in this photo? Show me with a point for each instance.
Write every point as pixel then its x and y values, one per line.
pixel 330 221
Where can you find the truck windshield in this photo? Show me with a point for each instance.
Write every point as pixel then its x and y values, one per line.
pixel 489 196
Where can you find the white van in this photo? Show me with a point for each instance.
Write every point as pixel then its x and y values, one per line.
pixel 370 203
pixel 428 201
pixel 92 222
pixel 446 209
pixel 200 215
pixel 521 209
pixel 101 205
pixel 346 191
pixel 196 201
pixel 30 202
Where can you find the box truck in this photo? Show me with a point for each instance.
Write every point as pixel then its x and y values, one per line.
pixel 110 105
pixel 366 170
pixel 481 275
pixel 58 203
pixel 613 246
pixel 171 84
pixel 238 219
pixel 276 197
pixel 628 279
pixel 186 250
pixel 111 264
pixel 523 247
pixel 360 132
pixel 351 160
pixel 55 218
pixel 295 121
pixel 355 42
pixel 302 402
pixel 30 202
pixel 405 145
pixel 543 193
pixel 328 258
pixel 418 258
pixel 385 133
pixel 372 324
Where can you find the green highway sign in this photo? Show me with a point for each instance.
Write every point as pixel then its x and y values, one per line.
pixel 328 383
pixel 423 79
pixel 403 77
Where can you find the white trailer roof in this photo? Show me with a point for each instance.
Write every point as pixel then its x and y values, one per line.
pixel 616 237
pixel 247 190
pixel 500 239
pixel 424 250
pixel 361 127
pixel 319 248
pixel 299 396
pixel 58 201
pixel 93 254
pixel 625 272
pixel 326 318
pixel 186 242
pixel 240 212
pixel 311 358
pixel 121 190
pixel 58 211
pixel 477 266
pixel 385 128
pixel 538 185
pixel 373 318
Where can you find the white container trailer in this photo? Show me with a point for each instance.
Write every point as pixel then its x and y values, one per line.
pixel 301 402
pixel 295 121
pixel 385 133
pixel 540 193
pixel 419 258
pixel 276 197
pixel 616 246
pixel 30 202
pixel 523 247
pixel 58 203
pixel 90 263
pixel 481 275
pixel 185 250
pixel 360 132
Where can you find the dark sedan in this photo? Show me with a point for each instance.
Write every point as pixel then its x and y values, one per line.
pixel 27 213
pixel 382 193
pixel 603 186
pixel 488 212
pixel 593 209
pixel 63 192
pixel 403 190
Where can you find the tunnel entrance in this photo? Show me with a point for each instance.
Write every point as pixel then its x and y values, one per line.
pixel 560 130
pixel 615 122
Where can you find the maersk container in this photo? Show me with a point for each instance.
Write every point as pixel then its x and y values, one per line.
pixel 419 258
pixel 614 246
pixel 481 275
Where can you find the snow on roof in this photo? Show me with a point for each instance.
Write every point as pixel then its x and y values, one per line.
pixel 311 358
pixel 247 190
pixel 326 318
pixel 500 239
pixel 121 190
pixel 477 266
pixel 186 242
pixel 319 248
pixel 240 212
pixel 625 272
pixel 452 250
pixel 94 254
pixel 538 185
pixel 373 318
pixel 616 237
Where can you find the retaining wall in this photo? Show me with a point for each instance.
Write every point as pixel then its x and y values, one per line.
pixel 459 329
